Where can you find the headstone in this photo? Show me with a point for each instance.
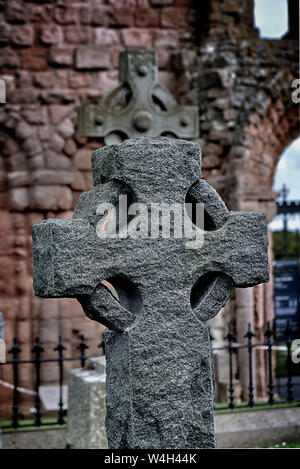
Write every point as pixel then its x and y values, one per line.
pixel 86 411
pixel 159 370
pixel 137 106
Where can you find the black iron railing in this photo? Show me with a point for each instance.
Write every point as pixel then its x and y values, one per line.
pixel 37 361
pixel 231 349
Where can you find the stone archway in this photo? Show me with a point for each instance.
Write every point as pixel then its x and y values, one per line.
pixel 247 118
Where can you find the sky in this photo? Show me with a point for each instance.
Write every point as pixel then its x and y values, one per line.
pixel 271 19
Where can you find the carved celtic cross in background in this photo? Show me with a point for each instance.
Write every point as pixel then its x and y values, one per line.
pixel 137 106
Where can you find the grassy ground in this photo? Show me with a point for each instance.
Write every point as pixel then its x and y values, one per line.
pixel 259 406
pixel 284 445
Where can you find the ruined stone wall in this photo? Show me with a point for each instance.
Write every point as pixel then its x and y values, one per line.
pixel 56 55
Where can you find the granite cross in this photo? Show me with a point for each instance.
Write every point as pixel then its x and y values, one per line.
pixel 137 106
pixel 159 368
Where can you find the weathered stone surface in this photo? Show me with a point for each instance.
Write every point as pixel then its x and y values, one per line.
pixel 150 110
pixel 61 55
pixel 86 406
pixel 137 37
pixel 78 34
pixel 34 58
pixel 106 37
pixel 159 370
pixel 18 198
pixel 22 35
pixel 51 34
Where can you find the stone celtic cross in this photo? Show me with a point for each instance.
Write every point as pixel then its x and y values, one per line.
pixel 159 368
pixel 137 106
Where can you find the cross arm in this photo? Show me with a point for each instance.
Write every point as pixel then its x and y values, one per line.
pixel 63 253
pixel 239 249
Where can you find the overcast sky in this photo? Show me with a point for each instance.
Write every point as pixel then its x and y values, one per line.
pixel 272 21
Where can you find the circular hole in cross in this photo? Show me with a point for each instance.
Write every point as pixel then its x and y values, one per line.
pixel 209 294
pixel 209 224
pixel 126 292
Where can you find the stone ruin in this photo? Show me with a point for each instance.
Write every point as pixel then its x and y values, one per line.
pixel 55 58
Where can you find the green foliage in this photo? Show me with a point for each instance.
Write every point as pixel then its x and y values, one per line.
pixel 293 244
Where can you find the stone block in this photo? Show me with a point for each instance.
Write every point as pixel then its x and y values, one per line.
pixel 80 80
pixel 24 130
pixel 35 114
pixel 79 183
pixel 34 58
pixel 22 35
pixel 32 146
pixel 66 14
pixel 36 162
pixel 86 409
pixel 22 96
pixel 61 56
pixel 57 95
pixel 15 11
pixel 146 17
pixel 101 15
pixel 92 58
pixel 18 178
pixel 45 79
pixel 70 147
pixel 65 200
pixel 44 197
pixel 161 3
pixel 18 198
pixel 51 34
pixel 106 81
pixel 122 16
pixel 5 32
pixel 9 57
pixel 106 37
pixel 66 128
pixel 172 17
pixel 41 14
pixel 78 34
pixel 166 39
pixel 55 161
pixel 56 143
pixel 7 287
pixel 58 112
pixel 49 176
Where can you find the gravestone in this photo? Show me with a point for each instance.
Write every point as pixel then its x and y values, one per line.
pixel 137 106
pixel 159 369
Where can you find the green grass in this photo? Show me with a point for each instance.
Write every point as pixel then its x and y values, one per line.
pixel 28 422
pixel 283 445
